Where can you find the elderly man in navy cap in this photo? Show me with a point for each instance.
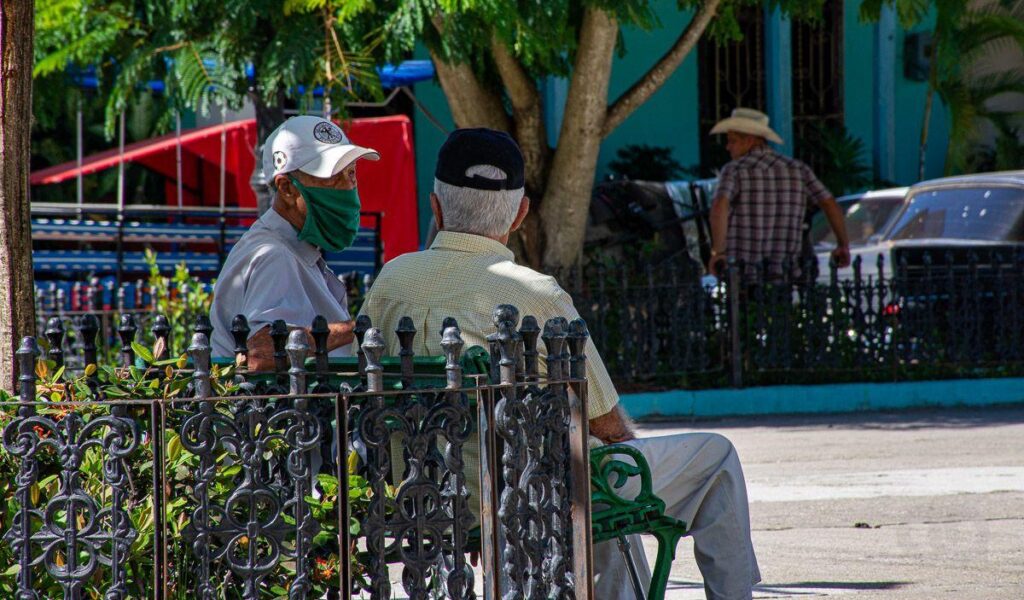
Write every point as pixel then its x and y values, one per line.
pixel 478 201
pixel 276 270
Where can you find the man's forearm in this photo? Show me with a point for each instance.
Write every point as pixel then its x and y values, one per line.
pixel 613 427
pixel 260 346
pixel 836 220
pixel 719 224
pixel 341 334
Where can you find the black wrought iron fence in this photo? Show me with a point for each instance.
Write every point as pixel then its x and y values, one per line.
pixel 160 479
pixel 931 315
pixel 180 300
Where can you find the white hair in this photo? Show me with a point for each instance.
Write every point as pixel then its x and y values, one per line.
pixel 482 212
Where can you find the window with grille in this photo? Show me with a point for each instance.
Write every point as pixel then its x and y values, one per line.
pixel 730 75
pixel 817 58
pixel 733 74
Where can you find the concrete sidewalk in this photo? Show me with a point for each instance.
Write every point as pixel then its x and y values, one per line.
pixel 905 505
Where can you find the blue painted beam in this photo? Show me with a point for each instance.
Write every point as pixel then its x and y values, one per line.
pixel 885 95
pixel 779 72
pixel 833 398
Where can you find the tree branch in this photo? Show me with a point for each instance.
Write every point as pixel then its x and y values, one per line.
pixel 567 196
pixel 658 74
pixel 472 104
pixel 528 116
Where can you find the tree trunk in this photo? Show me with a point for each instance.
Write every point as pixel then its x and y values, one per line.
pixel 528 127
pixel 933 74
pixel 922 151
pixel 563 212
pixel 472 104
pixel 17 293
pixel 268 117
pixel 531 133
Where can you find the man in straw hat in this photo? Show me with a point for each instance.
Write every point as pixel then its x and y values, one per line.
pixel 762 197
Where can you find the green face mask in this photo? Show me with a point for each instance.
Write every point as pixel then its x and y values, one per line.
pixel 332 217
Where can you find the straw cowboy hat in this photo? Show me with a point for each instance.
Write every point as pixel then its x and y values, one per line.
pixel 750 121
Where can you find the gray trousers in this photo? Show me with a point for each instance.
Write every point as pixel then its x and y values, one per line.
pixel 699 477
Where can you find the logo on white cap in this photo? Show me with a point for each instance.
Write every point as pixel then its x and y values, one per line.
pixel 328 133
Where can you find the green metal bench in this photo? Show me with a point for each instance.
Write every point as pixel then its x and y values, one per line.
pixel 613 516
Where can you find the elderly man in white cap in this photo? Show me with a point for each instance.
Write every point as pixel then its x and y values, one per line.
pixel 762 198
pixel 276 270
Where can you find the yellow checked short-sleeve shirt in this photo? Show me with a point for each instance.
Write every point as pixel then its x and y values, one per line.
pixel 465 276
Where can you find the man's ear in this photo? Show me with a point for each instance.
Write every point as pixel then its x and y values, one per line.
pixel 524 209
pixel 435 207
pixel 285 189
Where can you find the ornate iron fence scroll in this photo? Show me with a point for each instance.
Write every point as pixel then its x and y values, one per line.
pixel 191 482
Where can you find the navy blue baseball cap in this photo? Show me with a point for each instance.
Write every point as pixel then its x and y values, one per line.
pixel 466 148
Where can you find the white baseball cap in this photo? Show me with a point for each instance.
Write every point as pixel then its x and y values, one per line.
pixel 312 145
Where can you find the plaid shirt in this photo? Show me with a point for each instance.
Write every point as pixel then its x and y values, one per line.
pixel 768 197
pixel 465 276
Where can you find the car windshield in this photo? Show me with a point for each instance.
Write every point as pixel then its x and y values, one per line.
pixel 864 218
pixel 978 213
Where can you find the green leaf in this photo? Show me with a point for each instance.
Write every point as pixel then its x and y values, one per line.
pixel 142 352
pixel 174 448
pixel 328 482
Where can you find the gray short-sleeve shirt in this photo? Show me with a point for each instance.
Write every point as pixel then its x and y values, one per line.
pixel 271 274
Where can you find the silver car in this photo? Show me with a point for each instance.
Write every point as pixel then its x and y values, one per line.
pixel 982 211
pixel 868 216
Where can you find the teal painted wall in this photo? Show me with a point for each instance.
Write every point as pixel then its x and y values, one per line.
pixel 427 139
pixel 858 77
pixel 910 98
pixel 670 117
pixel 859 100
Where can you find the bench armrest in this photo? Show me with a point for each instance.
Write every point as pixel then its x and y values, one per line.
pixel 611 467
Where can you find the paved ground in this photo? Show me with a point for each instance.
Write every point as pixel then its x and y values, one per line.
pixel 912 505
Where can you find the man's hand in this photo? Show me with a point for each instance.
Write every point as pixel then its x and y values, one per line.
pixel 613 427
pixel 716 264
pixel 841 256
pixel 261 345
pixel 261 351
pixel 719 221
pixel 837 221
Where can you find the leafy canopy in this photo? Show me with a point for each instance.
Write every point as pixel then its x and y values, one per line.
pixel 543 36
pixel 203 50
